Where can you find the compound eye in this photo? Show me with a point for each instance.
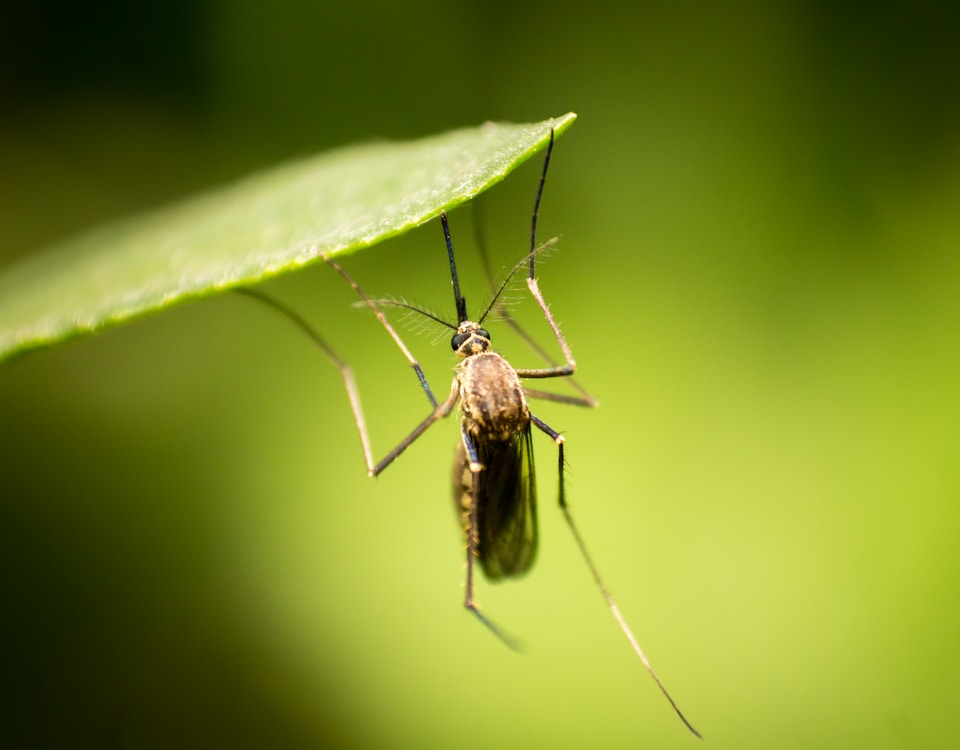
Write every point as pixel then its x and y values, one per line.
pixel 458 340
pixel 483 332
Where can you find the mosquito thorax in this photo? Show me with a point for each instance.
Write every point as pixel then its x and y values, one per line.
pixel 470 339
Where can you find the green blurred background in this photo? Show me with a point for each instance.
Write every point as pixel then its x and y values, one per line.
pixel 758 274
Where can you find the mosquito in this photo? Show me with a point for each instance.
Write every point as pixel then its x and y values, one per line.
pixel 493 473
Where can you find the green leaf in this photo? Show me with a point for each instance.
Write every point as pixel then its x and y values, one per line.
pixel 267 224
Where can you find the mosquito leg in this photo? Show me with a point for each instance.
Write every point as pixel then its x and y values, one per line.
pixel 440 411
pixel 560 398
pixel 473 522
pixel 587 399
pixel 505 316
pixel 554 371
pixel 345 371
pixel 558 439
pixel 550 372
pixel 473 541
pixel 386 324
pixel 536 203
pixel 471 450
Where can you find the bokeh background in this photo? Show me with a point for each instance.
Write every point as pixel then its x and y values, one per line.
pixel 758 273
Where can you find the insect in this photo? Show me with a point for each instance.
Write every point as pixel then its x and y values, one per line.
pixel 493 473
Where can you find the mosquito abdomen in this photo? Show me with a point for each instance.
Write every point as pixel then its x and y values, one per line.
pixel 492 401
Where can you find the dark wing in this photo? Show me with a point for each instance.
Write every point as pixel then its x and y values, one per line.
pixel 506 504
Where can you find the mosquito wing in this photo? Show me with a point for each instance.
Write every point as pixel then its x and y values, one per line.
pixel 506 503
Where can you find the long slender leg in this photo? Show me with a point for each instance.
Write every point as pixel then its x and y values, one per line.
pixel 560 398
pixel 345 371
pixel 442 410
pixel 560 370
pixel 558 439
pixel 586 400
pixel 536 202
pixel 439 410
pixel 473 539
pixel 570 367
pixel 386 324
pixel 505 317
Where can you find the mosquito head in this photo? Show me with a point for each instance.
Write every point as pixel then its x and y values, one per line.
pixel 470 339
